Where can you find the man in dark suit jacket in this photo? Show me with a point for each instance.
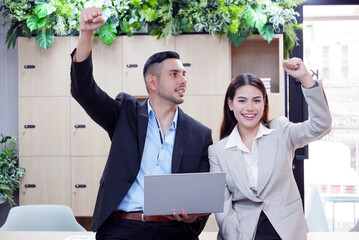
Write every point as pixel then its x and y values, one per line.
pixel 150 137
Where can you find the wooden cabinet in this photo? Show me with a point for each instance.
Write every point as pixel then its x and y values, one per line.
pixel 107 64
pixel 214 62
pixel 44 126
pixel 64 151
pixel 46 181
pixel 136 51
pixel 85 178
pixel 208 75
pixel 54 129
pixel 87 137
pixel 206 109
pixel 43 72
pixel 209 58
pixel 258 57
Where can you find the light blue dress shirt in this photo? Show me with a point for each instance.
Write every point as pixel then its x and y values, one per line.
pixel 156 159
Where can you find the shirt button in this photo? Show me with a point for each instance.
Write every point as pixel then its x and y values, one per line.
pixel 260 203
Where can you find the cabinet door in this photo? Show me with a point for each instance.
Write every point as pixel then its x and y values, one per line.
pixel 44 126
pixel 136 51
pixel 87 137
pixel 209 58
pixel 46 181
pixel 276 105
pixel 206 109
pixel 107 64
pixel 86 174
pixel 258 57
pixel 43 72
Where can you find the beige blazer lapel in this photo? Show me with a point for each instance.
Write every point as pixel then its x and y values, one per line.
pixel 236 166
pixel 267 147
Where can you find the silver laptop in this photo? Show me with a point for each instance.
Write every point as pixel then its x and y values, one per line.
pixel 192 192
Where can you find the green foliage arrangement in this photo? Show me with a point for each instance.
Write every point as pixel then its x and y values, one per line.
pixel 237 19
pixel 10 172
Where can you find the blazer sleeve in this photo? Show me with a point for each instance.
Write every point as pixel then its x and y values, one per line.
pixel 98 105
pixel 229 226
pixel 204 164
pixel 197 226
pixel 319 122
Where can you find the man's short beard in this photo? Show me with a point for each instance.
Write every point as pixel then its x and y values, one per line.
pixel 172 99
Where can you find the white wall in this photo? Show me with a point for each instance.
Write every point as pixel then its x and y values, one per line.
pixel 8 98
pixel 8 85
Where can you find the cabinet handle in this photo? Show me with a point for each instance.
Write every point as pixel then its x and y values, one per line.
pixel 29 66
pixel 186 64
pixel 80 186
pixel 131 65
pixel 30 185
pixel 80 126
pixel 29 126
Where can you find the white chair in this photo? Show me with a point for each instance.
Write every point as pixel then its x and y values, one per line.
pixel 315 213
pixel 41 218
pixel 355 228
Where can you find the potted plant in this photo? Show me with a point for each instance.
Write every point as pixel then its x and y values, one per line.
pixel 236 19
pixel 10 172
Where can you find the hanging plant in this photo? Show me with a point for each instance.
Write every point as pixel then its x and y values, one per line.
pixel 237 19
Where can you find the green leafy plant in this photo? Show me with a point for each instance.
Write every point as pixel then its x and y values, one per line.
pixel 10 172
pixel 237 19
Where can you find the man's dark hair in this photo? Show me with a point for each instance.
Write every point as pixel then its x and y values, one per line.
pixel 158 58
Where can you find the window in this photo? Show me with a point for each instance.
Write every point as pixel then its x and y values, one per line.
pixel 331 36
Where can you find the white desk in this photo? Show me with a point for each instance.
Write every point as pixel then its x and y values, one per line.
pixel 208 236
pixel 333 236
pixel 29 235
pixel 32 235
pixel 311 236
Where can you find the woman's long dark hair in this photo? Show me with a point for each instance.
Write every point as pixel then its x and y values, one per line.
pixel 229 121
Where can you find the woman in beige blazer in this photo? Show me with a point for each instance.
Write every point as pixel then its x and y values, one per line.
pixel 262 200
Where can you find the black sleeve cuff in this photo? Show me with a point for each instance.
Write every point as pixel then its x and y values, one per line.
pixel 316 84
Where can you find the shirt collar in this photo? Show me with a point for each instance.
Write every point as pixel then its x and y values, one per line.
pixel 151 114
pixel 235 140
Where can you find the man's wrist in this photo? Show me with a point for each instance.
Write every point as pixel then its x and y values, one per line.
pixel 198 219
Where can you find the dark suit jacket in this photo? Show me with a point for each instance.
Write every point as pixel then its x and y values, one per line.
pixel 125 119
